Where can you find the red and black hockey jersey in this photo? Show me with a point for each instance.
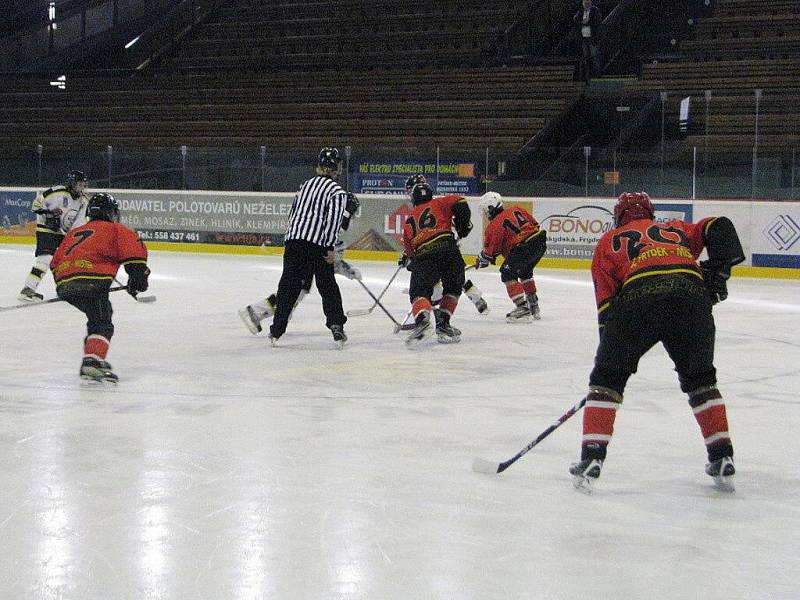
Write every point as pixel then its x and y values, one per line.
pixel 428 223
pixel 95 251
pixel 513 226
pixel 642 249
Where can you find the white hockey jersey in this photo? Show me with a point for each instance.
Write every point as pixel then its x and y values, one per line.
pixel 63 212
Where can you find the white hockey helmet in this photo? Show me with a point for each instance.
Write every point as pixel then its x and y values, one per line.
pixel 491 204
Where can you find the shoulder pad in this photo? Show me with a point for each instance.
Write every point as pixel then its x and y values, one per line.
pixel 56 189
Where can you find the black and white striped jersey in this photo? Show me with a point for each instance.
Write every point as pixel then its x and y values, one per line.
pixel 317 212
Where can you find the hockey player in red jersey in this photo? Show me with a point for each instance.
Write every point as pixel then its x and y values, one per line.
pixel 431 254
pixel 84 266
pixel 650 288
pixel 514 234
pixel 471 290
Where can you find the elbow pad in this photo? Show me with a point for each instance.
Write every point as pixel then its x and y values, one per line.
pixel 350 209
pixel 722 243
pixel 461 217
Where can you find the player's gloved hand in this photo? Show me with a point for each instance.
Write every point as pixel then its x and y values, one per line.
pixel 403 261
pixel 137 278
pixel 464 230
pixel 352 204
pixel 482 261
pixel 52 219
pixel 338 249
pixel 715 276
pixel 344 268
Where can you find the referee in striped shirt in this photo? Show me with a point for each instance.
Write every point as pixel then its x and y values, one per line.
pixel 314 222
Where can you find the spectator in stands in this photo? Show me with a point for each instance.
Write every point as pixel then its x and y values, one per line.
pixel 588 21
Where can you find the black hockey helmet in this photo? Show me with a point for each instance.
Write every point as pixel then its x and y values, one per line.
pixel 329 158
pixel 414 180
pixel 421 193
pixel 75 177
pixel 103 207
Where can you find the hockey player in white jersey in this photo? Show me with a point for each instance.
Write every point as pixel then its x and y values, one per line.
pixel 57 210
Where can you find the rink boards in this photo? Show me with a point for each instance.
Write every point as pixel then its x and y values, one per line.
pixel 254 223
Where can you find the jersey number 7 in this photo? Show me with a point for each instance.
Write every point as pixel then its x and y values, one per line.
pixel 83 236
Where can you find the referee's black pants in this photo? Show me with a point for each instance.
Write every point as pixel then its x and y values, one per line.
pixel 301 261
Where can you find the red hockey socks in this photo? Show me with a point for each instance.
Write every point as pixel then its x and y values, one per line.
pixel 448 304
pixel 95 346
pixel 599 414
pixel 529 286
pixel 516 292
pixel 421 305
pixel 709 411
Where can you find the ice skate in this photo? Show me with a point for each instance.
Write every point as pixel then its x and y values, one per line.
pixel 533 306
pixel 722 471
pixel 250 320
pixel 339 336
pixel 97 371
pixel 28 294
pixel 521 314
pixel 422 330
pixel 446 333
pixel 585 473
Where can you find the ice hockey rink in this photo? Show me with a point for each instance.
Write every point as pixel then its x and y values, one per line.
pixel 222 468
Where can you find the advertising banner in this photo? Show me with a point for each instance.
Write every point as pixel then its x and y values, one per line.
pixel 244 219
pixel 390 177
pixel 379 225
pixel 574 226
pixel 16 218
pixel 776 235
pixel 769 231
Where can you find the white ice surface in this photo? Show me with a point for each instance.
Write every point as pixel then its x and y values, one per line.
pixel 221 468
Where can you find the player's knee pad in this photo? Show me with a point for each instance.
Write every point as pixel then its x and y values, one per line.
pixel 695 381
pixel 507 273
pixel 453 288
pixel 526 273
pixel 104 329
pixel 614 381
pixel 43 262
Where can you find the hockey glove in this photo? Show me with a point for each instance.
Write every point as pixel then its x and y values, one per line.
pixel 352 204
pixel 463 231
pixel 482 261
pixel 338 249
pixel 715 276
pixel 137 278
pixel 52 219
pixel 344 268
pixel 403 261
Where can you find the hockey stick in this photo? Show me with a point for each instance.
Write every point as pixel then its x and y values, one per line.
pixel 378 302
pixel 137 297
pixel 480 465
pixel 400 326
pixel 366 311
pixel 50 301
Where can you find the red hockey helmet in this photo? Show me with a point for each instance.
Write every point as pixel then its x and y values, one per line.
pixel 632 206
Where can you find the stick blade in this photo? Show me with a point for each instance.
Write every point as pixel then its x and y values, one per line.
pixel 146 299
pixel 479 465
pixel 358 312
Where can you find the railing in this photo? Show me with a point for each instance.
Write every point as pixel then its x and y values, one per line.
pixel 675 170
